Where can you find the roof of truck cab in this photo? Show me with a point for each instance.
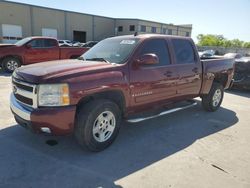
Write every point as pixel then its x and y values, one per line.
pixel 41 37
pixel 144 36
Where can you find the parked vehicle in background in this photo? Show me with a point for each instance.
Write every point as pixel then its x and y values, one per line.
pixel 65 43
pixel 206 53
pixel 33 50
pixel 90 44
pixel 242 73
pixel 78 44
pixel 233 55
pixel 120 77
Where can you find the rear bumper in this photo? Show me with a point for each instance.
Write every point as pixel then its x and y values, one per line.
pixel 58 120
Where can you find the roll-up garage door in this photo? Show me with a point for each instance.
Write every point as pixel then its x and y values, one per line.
pixel 11 33
pixel 47 32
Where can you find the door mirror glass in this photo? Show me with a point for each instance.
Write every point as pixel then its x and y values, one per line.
pixel 148 59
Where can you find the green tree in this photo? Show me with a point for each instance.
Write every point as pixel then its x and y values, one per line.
pixel 210 40
pixel 237 43
pixel 219 40
pixel 246 45
pixel 227 44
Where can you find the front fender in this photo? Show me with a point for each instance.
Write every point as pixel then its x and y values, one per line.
pixel 92 84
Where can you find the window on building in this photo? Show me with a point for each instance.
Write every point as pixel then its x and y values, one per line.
pixel 153 29
pixel 120 28
pixel 158 47
pixel 170 32
pixel 184 52
pixel 164 31
pixel 187 34
pixel 132 28
pixel 143 28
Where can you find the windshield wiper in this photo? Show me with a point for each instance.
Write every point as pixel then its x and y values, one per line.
pixel 98 59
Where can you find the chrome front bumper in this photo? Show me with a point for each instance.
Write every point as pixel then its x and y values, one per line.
pixel 19 110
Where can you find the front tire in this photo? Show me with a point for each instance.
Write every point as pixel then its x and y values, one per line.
pixel 9 64
pixel 212 101
pixel 97 124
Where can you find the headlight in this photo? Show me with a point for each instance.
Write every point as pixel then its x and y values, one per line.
pixel 53 95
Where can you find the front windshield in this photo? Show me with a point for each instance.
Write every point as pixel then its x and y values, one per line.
pixel 113 50
pixel 23 41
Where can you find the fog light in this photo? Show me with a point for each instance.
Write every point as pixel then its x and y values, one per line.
pixel 45 130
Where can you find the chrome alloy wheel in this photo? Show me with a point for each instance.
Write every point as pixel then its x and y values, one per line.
pixel 12 65
pixel 217 97
pixel 104 126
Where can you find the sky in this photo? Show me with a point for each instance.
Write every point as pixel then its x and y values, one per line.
pixel 230 18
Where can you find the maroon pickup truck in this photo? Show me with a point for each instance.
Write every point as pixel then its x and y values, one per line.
pixel 33 50
pixel 132 77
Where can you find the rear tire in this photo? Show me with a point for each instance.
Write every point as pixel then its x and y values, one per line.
pixel 212 101
pixel 97 124
pixel 9 64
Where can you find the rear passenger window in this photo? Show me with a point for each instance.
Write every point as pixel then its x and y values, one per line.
pixel 184 52
pixel 158 47
pixel 48 43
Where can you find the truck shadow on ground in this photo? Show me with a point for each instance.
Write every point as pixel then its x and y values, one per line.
pixel 26 160
pixel 4 73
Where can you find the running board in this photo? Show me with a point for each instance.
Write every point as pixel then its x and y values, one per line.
pixel 136 120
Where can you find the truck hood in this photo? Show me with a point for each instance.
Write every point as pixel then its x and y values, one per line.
pixel 6 45
pixel 51 70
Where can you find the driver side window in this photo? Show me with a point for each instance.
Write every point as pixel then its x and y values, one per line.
pixel 159 48
pixel 36 43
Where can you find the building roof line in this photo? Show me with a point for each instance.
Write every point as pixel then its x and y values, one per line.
pixel 68 11
pixel 169 24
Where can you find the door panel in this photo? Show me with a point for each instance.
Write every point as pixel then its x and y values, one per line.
pixel 41 50
pixel 188 67
pixel 189 82
pixel 34 55
pixel 153 83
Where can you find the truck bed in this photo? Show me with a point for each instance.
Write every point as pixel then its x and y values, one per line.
pixel 212 67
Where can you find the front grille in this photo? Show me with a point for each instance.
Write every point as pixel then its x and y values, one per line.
pixel 23 99
pixel 24 87
pixel 25 92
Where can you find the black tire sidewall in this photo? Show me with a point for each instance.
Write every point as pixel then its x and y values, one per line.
pixel 86 123
pixel 216 87
pixel 208 100
pixel 6 60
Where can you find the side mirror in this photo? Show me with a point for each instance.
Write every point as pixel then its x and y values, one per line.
pixel 148 59
pixel 28 46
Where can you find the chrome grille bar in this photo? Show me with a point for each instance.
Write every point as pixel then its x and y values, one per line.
pixel 25 90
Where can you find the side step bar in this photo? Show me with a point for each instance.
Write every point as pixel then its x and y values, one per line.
pixel 136 120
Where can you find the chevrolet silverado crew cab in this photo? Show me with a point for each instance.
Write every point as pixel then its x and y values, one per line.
pixel 132 77
pixel 33 50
